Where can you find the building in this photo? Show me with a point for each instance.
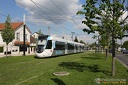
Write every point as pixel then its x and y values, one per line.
pixel 35 35
pixel 16 46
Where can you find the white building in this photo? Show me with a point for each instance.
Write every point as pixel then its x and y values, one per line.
pixel 35 35
pixel 16 46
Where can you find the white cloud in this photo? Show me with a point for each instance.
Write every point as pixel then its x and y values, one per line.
pixel 15 19
pixel 54 11
pixel 124 16
pixel 47 10
pixel 85 38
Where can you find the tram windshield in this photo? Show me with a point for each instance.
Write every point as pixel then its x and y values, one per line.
pixel 40 48
pixel 42 40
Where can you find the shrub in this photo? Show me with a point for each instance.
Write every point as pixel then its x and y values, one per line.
pixel 125 44
pixel 1 49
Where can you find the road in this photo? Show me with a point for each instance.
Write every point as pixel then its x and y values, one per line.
pixel 123 58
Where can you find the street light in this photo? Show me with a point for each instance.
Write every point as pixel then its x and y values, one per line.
pixel 72 35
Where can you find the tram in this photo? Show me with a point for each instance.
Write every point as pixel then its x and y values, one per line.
pixel 48 46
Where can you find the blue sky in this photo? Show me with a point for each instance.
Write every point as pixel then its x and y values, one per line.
pixel 59 15
pixel 62 25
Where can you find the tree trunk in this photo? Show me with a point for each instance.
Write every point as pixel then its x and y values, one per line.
pixel 106 51
pixel 113 42
pixel 107 48
pixel 113 55
pixel 98 45
pixel 6 50
pixel 113 66
pixel 95 49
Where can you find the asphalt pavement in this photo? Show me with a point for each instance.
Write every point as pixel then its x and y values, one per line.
pixel 123 58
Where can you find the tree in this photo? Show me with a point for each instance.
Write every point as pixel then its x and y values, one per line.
pixel 104 16
pixel 125 44
pixel 105 42
pixel 76 40
pixel 7 33
pixel 40 33
pixel 81 41
pixel 92 45
pixel 95 37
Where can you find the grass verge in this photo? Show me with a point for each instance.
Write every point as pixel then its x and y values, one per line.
pixel 84 68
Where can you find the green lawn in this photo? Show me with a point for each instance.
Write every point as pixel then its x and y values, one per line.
pixel 84 68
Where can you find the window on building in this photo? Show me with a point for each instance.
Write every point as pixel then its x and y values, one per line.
pixel 26 37
pixel 17 36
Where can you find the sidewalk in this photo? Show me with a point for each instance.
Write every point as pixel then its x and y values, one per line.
pixel 2 55
pixel 122 58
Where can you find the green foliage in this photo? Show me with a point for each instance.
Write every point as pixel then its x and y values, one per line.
pixel 8 33
pixel 125 44
pixel 40 33
pixel 81 41
pixel 105 40
pixel 94 37
pixel 92 45
pixel 76 40
pixel 1 49
pixel 104 17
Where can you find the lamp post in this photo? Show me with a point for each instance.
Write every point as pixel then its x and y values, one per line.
pixel 24 37
pixel 72 35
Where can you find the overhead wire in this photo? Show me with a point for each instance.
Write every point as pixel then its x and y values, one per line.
pixel 58 13
pixel 48 16
pixel 19 20
pixel 31 24
pixel 65 13
pixel 36 14
pixel 50 10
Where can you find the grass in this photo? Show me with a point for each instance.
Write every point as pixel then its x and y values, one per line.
pixel 84 68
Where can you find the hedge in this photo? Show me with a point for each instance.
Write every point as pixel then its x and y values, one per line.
pixel 1 49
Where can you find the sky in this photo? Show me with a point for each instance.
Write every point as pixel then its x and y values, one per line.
pixel 58 15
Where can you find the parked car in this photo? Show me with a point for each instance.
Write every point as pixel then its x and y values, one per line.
pixel 125 52
pixel 110 50
pixel 123 49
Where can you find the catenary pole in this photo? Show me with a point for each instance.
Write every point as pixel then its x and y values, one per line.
pixel 24 36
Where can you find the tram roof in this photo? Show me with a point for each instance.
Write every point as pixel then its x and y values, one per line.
pixel 64 40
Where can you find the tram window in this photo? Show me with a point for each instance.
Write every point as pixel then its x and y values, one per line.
pixel 83 47
pixel 59 45
pixel 49 44
pixel 76 47
pixel 80 47
pixel 70 46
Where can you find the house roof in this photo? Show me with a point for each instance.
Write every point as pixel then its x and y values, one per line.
pixel 35 33
pixel 14 25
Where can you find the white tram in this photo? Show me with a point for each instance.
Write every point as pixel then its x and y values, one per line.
pixel 48 46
